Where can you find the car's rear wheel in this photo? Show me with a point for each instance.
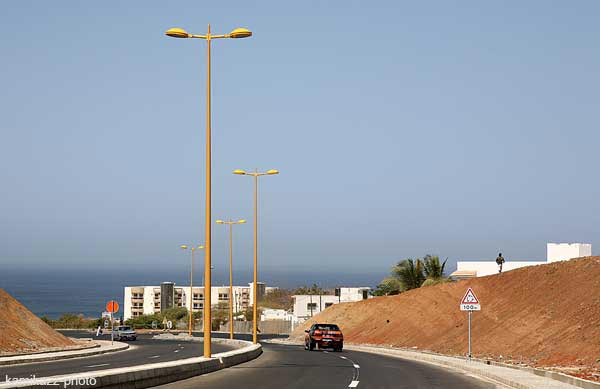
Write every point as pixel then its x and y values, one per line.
pixel 311 346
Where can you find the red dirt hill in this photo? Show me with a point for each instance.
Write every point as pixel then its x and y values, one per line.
pixel 21 331
pixel 546 316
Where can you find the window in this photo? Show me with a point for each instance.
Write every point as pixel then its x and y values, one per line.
pixel 223 296
pixel 327 305
pixel 312 306
pixel 326 327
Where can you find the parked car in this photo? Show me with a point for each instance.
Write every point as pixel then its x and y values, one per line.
pixel 324 336
pixel 124 333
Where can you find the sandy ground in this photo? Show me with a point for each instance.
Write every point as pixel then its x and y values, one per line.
pixel 543 316
pixel 23 332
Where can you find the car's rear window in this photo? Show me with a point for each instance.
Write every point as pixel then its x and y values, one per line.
pixel 327 327
pixel 124 328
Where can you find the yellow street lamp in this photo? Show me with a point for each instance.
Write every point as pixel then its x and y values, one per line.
pixel 192 249
pixel 255 174
pixel 231 223
pixel 181 33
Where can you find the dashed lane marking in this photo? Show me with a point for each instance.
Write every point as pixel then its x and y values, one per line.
pixel 353 384
pixel 176 351
pixel 102 364
pixel 356 366
pixel 343 357
pixel 154 356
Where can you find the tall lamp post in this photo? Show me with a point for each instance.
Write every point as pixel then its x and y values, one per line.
pixel 255 174
pixel 231 223
pixel 192 249
pixel 181 33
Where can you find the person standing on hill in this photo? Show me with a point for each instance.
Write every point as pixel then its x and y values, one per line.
pixel 500 261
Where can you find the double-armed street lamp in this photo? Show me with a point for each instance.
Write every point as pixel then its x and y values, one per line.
pixel 192 249
pixel 181 33
pixel 255 174
pixel 231 223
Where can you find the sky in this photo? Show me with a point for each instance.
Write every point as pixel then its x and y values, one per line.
pixel 400 128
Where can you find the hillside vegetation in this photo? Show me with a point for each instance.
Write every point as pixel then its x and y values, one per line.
pixel 546 315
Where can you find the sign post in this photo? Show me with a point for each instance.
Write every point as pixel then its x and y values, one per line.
pixel 112 307
pixel 470 303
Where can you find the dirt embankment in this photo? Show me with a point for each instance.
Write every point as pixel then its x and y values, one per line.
pixel 22 332
pixel 544 316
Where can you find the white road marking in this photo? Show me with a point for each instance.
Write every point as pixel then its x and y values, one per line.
pixel 343 357
pixel 356 366
pixel 176 351
pixel 353 384
pixel 102 364
pixel 154 356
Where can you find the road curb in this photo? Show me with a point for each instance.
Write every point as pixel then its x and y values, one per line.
pixel 478 367
pixel 58 355
pixel 148 375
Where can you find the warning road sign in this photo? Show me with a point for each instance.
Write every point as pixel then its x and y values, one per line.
pixel 470 302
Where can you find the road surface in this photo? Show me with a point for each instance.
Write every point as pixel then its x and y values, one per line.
pixel 282 366
pixel 144 350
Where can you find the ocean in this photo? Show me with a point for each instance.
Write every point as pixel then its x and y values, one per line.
pixel 53 292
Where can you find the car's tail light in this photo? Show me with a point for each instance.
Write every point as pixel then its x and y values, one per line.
pixel 317 332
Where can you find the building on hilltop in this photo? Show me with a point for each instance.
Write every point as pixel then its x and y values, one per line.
pixel 555 252
pixel 148 300
pixel 308 305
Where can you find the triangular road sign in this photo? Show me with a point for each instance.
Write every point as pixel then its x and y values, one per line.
pixel 470 298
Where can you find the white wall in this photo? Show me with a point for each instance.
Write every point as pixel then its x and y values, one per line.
pixel 148 300
pixel 275 314
pixel 302 311
pixel 486 268
pixel 127 304
pixel 352 294
pixel 566 251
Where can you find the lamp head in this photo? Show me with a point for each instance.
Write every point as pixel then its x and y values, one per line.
pixel 183 247
pixel 242 221
pixel 219 221
pixel 200 247
pixel 273 171
pixel 239 171
pixel 177 33
pixel 240 33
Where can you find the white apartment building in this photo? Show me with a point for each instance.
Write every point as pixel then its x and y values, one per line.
pixel 147 300
pixel 307 305
pixel 554 252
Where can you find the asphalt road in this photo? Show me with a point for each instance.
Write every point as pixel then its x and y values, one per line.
pixel 292 367
pixel 144 350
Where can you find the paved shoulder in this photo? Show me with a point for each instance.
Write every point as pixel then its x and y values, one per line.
pixel 283 366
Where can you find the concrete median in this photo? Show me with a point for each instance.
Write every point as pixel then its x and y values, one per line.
pixel 148 375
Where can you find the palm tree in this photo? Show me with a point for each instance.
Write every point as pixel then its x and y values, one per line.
pixel 410 273
pixel 432 267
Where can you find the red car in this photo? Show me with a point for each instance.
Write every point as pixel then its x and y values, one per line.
pixel 324 336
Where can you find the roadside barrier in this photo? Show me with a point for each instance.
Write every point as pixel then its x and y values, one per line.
pixel 148 375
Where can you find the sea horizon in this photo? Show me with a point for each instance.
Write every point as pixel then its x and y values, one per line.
pixel 54 292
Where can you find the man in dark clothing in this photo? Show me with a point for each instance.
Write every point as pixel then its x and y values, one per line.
pixel 500 261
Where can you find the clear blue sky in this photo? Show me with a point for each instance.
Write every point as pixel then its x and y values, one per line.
pixel 400 128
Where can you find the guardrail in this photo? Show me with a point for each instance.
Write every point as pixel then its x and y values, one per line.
pixel 144 376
